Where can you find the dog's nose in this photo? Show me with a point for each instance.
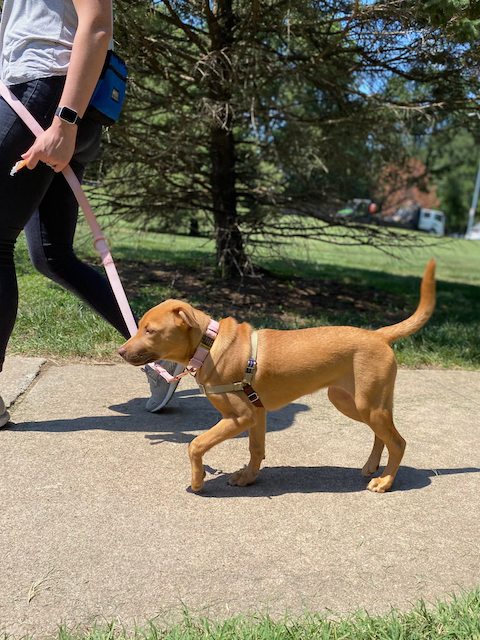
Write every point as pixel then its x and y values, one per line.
pixel 122 351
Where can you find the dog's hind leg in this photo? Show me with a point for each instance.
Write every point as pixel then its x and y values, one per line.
pixel 256 436
pixel 374 402
pixel 343 401
pixel 373 461
pixel 381 422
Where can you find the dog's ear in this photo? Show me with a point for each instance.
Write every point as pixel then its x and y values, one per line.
pixel 186 316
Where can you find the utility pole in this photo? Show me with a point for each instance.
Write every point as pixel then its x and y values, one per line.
pixel 473 208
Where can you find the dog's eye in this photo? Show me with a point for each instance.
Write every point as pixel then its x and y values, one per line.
pixel 149 331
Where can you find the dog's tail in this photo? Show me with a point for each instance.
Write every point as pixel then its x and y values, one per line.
pixel 422 314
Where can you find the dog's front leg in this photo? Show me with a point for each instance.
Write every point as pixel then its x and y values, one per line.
pixel 256 436
pixel 238 416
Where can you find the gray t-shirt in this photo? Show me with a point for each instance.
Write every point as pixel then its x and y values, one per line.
pixel 36 38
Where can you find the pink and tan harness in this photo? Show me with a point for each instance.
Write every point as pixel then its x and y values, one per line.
pixel 199 358
pixel 246 384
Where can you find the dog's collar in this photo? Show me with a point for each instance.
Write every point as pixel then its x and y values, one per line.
pixel 204 347
pixel 198 357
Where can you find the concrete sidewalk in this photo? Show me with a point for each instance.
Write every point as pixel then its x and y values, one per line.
pixel 97 523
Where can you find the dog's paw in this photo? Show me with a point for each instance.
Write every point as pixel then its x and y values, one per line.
pixel 242 478
pixel 369 469
pixel 380 485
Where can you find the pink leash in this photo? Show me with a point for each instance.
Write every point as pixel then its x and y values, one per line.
pixel 98 238
pixel 101 246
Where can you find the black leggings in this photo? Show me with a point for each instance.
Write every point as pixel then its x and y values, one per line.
pixel 42 203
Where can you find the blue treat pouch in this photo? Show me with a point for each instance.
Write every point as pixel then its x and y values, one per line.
pixel 109 95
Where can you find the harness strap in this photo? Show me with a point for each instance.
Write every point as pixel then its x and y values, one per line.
pixel 245 384
pixel 221 388
pixel 252 361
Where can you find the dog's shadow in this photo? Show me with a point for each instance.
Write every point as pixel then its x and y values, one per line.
pixel 277 481
pixel 172 425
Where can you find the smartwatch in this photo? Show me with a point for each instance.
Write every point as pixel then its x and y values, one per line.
pixel 68 115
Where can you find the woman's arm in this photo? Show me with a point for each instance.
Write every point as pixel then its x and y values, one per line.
pixel 57 144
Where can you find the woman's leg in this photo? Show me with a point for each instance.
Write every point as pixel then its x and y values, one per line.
pixel 19 195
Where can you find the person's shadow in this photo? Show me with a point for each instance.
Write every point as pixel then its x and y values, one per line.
pixel 179 422
pixel 184 415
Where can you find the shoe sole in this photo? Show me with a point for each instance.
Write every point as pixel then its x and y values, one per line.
pixel 171 390
pixel 4 419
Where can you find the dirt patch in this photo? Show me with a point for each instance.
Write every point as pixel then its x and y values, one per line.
pixel 265 295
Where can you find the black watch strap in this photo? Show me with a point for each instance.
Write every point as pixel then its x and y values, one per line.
pixel 68 115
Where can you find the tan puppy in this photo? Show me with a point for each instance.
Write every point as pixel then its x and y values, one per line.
pixel 357 365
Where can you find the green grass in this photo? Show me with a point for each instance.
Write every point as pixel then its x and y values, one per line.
pixel 458 619
pixel 53 323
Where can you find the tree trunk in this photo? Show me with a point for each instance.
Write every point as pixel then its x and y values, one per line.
pixel 230 252
pixel 231 258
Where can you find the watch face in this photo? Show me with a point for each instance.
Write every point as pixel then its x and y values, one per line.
pixel 65 113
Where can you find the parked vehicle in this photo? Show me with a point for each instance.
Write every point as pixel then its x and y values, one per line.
pixel 429 220
pixel 412 217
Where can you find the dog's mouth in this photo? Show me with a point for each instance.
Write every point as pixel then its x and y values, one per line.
pixel 139 359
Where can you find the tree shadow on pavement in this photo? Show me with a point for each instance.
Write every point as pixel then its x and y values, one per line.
pixel 277 481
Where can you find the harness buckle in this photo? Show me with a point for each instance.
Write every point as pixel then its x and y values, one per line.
pixel 251 364
pixel 250 392
pixel 206 342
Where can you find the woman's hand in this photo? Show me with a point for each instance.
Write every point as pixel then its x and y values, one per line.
pixel 54 147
